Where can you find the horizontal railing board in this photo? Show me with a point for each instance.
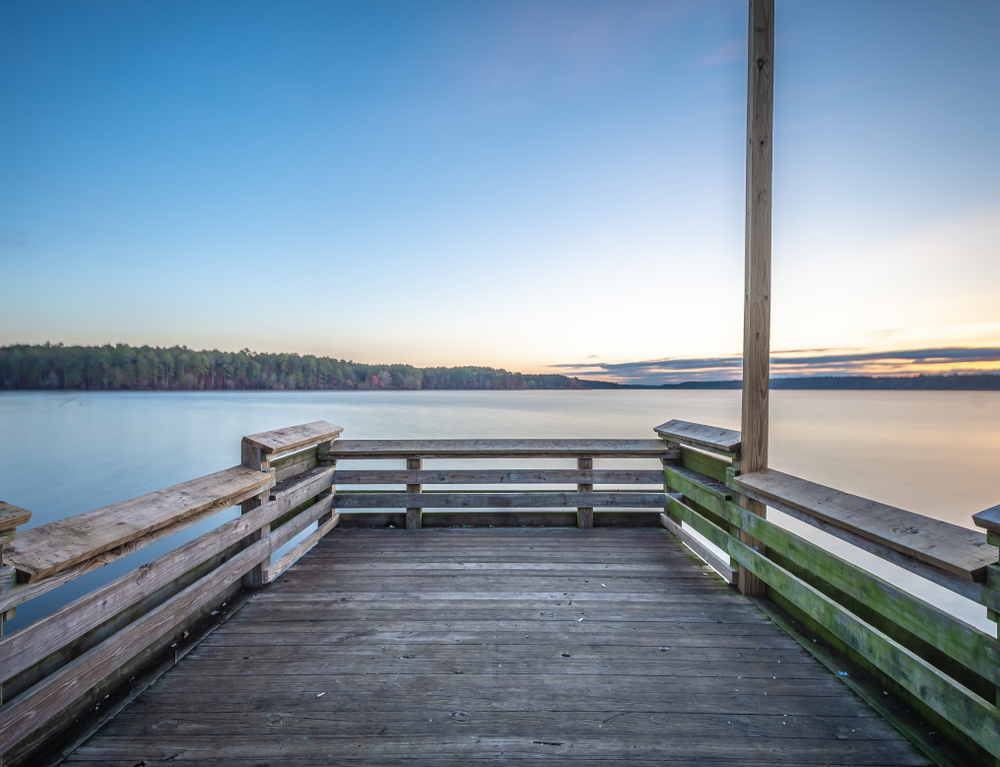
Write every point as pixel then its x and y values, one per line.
pixel 989 519
pixel 12 516
pixel 711 437
pixel 293 464
pixel 293 438
pixel 499 477
pixel 968 645
pixel 956 550
pixel 727 571
pixel 46 699
pixel 47 549
pixel 13 593
pixel 703 490
pixel 275 569
pixel 973 715
pixel 498 448
pixel 498 500
pixel 25 648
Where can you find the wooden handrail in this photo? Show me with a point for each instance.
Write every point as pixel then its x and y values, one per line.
pixel 293 438
pixel 499 477
pixel 699 435
pixel 953 549
pixel 46 550
pixel 499 448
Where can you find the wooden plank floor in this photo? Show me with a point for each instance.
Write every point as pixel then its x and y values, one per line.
pixel 487 646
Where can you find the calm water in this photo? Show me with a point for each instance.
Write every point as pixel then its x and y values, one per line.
pixel 934 453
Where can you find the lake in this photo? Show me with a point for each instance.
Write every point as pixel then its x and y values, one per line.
pixel 63 453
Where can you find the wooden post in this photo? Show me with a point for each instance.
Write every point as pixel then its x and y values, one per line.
pixel 413 519
pixel 323 459
pixel 585 516
pixel 757 294
pixel 10 517
pixel 255 458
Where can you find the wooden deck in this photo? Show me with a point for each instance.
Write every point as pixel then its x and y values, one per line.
pixel 441 647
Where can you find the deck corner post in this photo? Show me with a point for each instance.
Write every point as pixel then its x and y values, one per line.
pixel 757 293
pixel 414 516
pixel 10 518
pixel 255 458
pixel 585 515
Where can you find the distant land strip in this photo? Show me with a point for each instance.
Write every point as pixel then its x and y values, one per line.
pixel 120 367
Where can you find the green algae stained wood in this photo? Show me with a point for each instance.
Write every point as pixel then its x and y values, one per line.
pixel 972 714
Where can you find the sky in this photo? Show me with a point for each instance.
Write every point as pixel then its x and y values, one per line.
pixel 539 186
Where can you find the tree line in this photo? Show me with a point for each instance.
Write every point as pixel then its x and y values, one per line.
pixel 120 367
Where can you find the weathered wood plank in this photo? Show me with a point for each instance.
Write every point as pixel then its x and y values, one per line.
pixel 723 568
pixel 497 500
pixel 652 677
pixel 708 437
pixel 25 648
pixel 46 699
pixel 275 569
pixel 989 519
pixel 975 717
pixel 956 550
pixel 499 448
pixel 499 477
pixel 966 644
pixel 293 438
pixel 48 549
pixel 12 516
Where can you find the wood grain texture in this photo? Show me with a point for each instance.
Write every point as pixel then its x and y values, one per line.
pixel 48 549
pixel 276 569
pixel 757 265
pixel 497 500
pixel 976 717
pixel 956 550
pixel 499 448
pixel 293 438
pixel 12 516
pixel 709 437
pixel 27 647
pixel 571 681
pixel 499 477
pixel 989 519
pixel 48 698
pixel 723 568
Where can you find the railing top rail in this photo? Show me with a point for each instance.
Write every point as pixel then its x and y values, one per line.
pixel 12 516
pixel 48 549
pixel 499 448
pixel 956 550
pixel 290 439
pixel 989 519
pixel 709 437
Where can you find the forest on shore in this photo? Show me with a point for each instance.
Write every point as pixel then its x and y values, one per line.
pixel 120 367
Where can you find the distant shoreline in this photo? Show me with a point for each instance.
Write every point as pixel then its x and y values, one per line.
pixel 120 367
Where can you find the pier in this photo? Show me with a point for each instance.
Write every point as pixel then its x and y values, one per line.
pixel 440 602
pixel 566 615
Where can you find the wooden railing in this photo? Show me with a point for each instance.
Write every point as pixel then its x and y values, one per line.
pixel 432 507
pixel 948 670
pixel 68 662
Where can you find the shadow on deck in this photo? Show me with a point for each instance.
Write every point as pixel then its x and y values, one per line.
pixel 467 646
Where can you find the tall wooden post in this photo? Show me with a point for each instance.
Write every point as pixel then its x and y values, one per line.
pixel 757 290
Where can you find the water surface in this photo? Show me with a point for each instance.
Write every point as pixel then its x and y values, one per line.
pixel 63 453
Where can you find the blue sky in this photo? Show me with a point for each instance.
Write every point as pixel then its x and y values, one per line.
pixel 542 186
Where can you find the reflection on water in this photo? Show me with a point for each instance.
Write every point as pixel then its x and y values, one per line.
pixel 934 453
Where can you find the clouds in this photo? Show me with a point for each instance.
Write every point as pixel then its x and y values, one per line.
pixel 795 363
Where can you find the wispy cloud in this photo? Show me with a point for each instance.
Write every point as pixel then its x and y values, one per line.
pixel 734 50
pixel 795 363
